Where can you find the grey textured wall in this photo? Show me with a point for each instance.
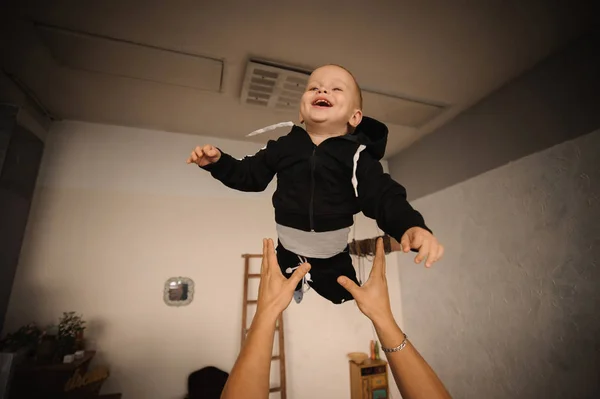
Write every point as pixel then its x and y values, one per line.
pixel 512 311
pixel 556 101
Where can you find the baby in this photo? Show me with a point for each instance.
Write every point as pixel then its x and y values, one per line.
pixel 325 175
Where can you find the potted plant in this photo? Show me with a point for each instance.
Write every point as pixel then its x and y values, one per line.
pixel 25 338
pixel 70 332
pixel 47 348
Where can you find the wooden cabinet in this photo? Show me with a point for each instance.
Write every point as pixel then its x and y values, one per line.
pixel 33 381
pixel 369 380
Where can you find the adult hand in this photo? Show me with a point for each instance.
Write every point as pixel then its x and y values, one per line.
pixel 414 377
pixel 205 155
pixel 373 298
pixel 275 292
pixel 422 240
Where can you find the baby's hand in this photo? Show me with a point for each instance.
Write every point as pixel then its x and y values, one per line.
pixel 428 246
pixel 203 156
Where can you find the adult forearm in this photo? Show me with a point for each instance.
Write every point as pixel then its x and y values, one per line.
pixel 413 376
pixel 250 375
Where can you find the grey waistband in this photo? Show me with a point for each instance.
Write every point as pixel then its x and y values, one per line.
pixel 312 244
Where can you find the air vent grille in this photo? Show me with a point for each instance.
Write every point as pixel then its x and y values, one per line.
pixel 273 86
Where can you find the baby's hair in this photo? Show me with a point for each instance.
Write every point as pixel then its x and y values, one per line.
pixel 358 90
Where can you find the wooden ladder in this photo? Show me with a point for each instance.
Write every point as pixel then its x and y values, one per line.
pixel 278 325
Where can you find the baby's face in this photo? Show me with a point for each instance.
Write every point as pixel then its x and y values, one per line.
pixel 331 98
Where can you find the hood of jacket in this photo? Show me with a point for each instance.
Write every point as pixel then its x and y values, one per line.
pixel 372 134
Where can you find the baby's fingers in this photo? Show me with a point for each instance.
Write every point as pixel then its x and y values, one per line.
pixel 210 151
pixel 433 254
pixel 196 155
pixel 438 254
pixel 423 251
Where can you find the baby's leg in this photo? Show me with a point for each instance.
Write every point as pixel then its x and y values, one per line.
pixel 325 272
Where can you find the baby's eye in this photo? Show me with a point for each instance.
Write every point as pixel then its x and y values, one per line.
pixel 312 89
pixel 337 89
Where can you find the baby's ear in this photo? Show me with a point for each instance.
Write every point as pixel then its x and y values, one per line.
pixel 355 118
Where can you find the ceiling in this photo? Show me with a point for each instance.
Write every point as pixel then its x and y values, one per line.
pixel 449 54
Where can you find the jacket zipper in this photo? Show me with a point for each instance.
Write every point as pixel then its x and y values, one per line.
pixel 312 188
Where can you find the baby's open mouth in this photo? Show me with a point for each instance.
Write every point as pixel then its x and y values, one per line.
pixel 321 103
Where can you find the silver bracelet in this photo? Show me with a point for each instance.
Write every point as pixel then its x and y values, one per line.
pixel 396 349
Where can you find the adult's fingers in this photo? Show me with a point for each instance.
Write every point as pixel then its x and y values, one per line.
pixel 297 275
pixel 273 265
pixel 265 258
pixel 349 285
pixel 378 268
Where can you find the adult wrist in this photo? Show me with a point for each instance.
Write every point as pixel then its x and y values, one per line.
pixel 266 316
pixel 389 332
pixel 385 323
pixel 382 316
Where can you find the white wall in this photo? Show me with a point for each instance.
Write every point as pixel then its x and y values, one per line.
pixel 512 310
pixel 556 101
pixel 117 212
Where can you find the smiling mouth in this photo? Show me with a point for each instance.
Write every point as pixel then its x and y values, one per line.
pixel 322 103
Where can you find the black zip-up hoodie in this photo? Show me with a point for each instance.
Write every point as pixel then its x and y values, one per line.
pixel 315 190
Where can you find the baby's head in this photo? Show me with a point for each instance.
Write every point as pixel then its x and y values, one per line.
pixel 332 101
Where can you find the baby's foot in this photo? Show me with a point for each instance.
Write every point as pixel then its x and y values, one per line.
pixel 298 295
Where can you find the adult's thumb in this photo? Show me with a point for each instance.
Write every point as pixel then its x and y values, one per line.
pixel 299 273
pixel 348 284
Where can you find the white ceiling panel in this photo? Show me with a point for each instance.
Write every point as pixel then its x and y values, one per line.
pixel 100 54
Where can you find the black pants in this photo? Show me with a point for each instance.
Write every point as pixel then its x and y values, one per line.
pixel 324 273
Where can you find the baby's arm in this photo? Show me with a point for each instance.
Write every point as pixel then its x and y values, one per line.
pixel 253 173
pixel 384 200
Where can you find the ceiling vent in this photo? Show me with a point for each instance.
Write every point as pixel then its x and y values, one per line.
pixel 280 87
pixel 272 86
